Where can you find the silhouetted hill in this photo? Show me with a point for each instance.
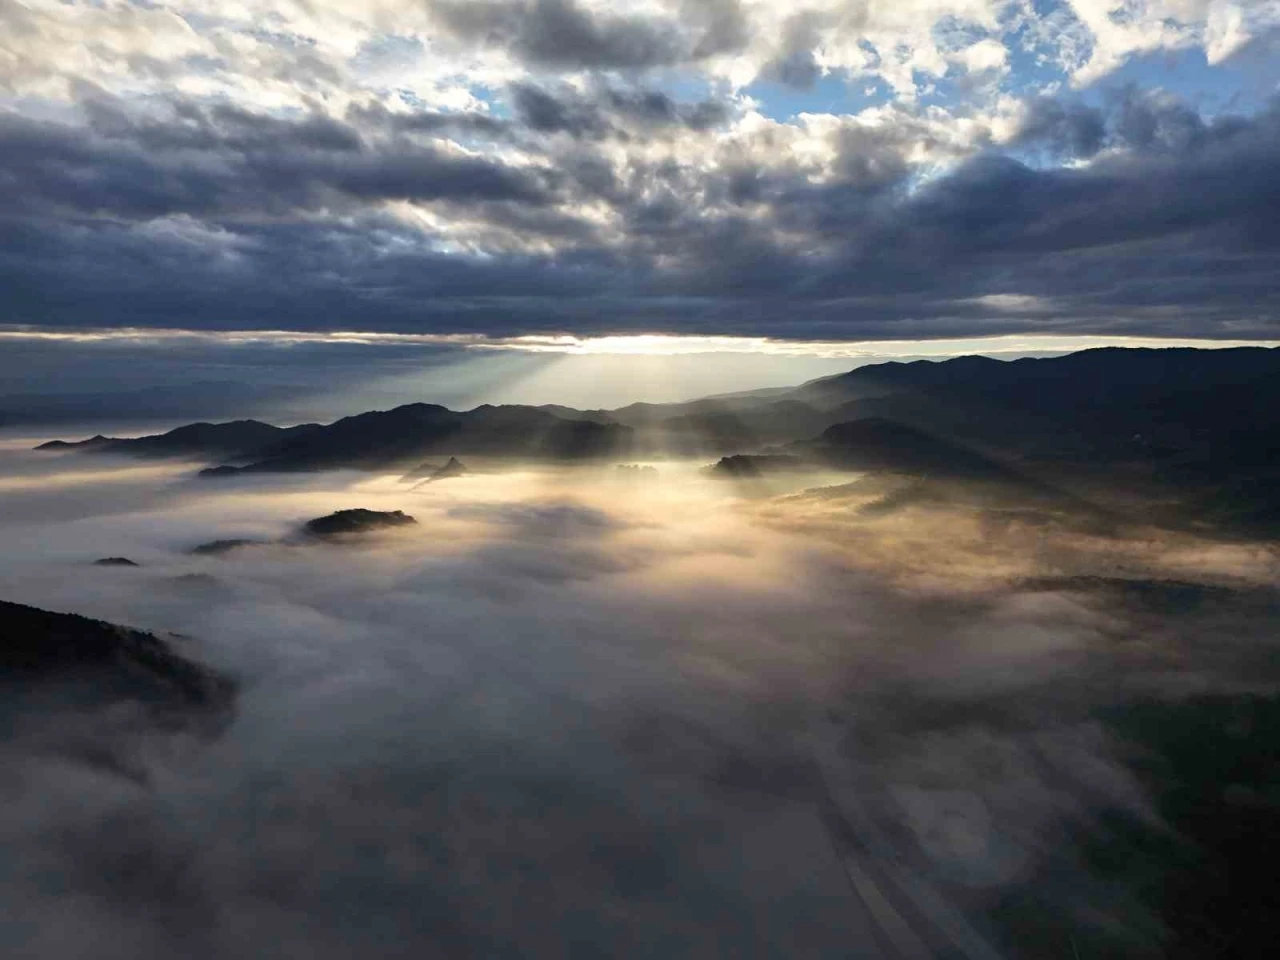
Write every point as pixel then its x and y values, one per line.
pixel 882 379
pixel 454 468
pixel 235 440
pixel 569 413
pixel 757 465
pixel 406 434
pixel 90 443
pixel 1075 397
pixel 1193 435
pixel 727 425
pixel 106 662
pixel 1055 380
pixel 376 439
pixel 954 471
pixel 337 524
pixel 1194 432
pixel 1098 399
pixel 875 443
pixel 357 520
pixel 365 440
pixel 216 548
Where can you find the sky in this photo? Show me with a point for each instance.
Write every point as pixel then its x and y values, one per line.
pixel 533 175
pixel 300 209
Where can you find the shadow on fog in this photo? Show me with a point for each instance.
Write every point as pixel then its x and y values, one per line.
pixel 576 709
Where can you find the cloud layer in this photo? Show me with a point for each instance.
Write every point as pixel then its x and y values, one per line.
pixel 829 171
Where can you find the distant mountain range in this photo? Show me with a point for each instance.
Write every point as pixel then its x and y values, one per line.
pixel 1201 424
pixel 399 437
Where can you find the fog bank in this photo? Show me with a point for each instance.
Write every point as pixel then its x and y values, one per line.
pixel 568 714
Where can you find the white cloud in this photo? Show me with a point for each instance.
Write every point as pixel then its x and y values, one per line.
pixel 282 53
pixel 986 54
pixel 1122 29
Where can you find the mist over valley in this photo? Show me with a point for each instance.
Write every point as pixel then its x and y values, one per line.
pixel 882 665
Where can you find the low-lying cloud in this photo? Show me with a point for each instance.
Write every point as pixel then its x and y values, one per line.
pixel 566 714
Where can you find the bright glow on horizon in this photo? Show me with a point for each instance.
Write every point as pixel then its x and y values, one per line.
pixel 648 344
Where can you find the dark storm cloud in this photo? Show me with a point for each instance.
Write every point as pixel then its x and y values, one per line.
pixel 1177 218
pixel 1178 175
pixel 219 217
pixel 1068 128
pixel 1129 118
pixel 611 112
pixel 221 161
pixel 599 112
pixel 562 34
pixel 430 122
pixel 366 274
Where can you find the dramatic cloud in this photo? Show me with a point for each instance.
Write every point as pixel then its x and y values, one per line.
pixel 564 34
pixel 828 171
pixel 611 112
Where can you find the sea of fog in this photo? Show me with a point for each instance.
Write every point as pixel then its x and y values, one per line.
pixel 580 712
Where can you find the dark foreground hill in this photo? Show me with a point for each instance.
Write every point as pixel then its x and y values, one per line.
pixel 42 650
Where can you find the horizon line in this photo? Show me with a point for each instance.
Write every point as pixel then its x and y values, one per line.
pixel 629 344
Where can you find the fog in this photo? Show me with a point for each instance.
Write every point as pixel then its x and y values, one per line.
pixel 573 713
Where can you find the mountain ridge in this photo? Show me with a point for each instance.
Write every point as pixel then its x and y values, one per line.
pixel 1201 425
